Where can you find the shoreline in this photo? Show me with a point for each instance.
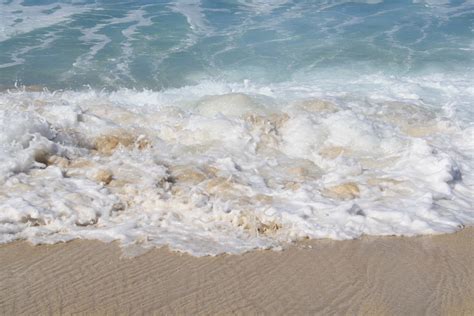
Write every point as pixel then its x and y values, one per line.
pixel 372 275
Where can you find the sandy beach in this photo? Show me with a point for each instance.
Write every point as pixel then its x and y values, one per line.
pixel 431 275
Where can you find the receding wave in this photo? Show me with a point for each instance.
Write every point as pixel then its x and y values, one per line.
pixel 224 126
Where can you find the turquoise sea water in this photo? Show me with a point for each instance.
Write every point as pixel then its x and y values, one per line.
pixel 163 44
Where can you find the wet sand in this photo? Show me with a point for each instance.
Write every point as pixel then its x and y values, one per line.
pixel 372 276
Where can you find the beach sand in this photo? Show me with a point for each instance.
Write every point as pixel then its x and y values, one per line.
pixel 372 276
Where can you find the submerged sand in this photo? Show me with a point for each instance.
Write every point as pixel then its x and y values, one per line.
pixel 374 275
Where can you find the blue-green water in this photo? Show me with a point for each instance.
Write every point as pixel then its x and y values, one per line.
pixel 163 44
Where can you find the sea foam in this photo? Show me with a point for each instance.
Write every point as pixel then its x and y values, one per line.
pixel 227 168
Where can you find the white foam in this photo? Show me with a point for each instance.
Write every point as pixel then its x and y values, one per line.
pixel 221 168
pixel 99 41
pixel 194 14
pixel 263 6
pixel 17 58
pixel 16 18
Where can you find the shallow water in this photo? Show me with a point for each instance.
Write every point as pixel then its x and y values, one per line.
pixel 225 127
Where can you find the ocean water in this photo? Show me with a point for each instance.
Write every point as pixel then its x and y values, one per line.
pixel 225 126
